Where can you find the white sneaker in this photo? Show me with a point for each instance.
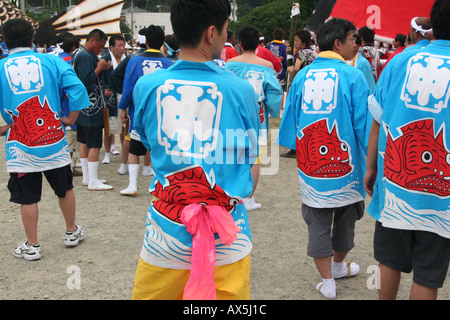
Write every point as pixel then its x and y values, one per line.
pixel 130 191
pixel 73 238
pixel 147 171
pixel 115 152
pixel 98 185
pixel 250 204
pixel 28 252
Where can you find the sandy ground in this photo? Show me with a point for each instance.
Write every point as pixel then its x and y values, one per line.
pixel 102 267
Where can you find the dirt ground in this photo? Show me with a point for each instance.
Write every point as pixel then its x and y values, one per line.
pixel 102 267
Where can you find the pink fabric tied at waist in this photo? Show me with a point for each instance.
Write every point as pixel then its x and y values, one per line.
pixel 202 221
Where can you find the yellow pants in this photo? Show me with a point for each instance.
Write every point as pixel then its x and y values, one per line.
pixel 155 283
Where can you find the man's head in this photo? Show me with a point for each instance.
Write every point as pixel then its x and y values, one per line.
pixel 192 18
pixel 95 41
pixel 420 29
pixel 400 40
pixel 278 34
pixel 17 33
pixel 230 37
pixel 248 37
pixel 337 35
pixel 440 21
pixel 117 45
pixel 367 35
pixel 154 36
pixel 70 43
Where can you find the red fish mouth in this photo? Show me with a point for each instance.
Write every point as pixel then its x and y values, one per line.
pixel 332 169
pixel 431 184
pixel 48 138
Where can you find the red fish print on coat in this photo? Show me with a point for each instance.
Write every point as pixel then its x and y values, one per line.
pixel 189 187
pixel 261 112
pixel 418 160
pixel 321 153
pixel 36 125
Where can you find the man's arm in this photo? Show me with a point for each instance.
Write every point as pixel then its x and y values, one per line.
pixel 372 156
pixel 70 120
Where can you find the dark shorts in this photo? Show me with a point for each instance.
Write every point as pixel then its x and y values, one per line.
pixel 91 136
pixel 331 229
pixel 137 148
pixel 424 253
pixel 27 188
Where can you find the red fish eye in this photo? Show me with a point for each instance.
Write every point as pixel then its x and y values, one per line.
pixel 56 116
pixel 40 122
pixel 344 146
pixel 323 150
pixel 427 157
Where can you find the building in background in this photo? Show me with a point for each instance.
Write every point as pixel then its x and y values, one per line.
pixel 138 18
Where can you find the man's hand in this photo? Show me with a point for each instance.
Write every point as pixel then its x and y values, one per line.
pixel 123 116
pixel 369 181
pixel 5 128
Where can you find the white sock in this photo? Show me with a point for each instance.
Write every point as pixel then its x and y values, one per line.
pixel 84 168
pixel 133 171
pixel 107 158
pixel 340 269
pixel 327 288
pixel 93 171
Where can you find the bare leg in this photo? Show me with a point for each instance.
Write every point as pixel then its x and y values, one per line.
pixel 324 267
pixel 68 205
pixel 389 283
pixel 419 292
pixel 30 216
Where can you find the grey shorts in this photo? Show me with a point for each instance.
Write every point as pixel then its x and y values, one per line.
pixel 331 229
pixel 424 253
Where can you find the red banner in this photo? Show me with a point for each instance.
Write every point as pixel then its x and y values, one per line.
pixel 386 17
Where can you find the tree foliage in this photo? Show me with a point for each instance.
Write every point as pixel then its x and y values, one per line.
pixel 276 14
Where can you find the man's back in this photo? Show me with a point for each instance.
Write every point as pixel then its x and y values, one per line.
pixel 200 123
pixel 33 100
pixel 327 103
pixel 411 100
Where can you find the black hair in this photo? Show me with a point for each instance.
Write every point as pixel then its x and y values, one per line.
pixel 70 41
pixel 154 35
pixel 114 38
pixel 190 19
pixel 249 36
pixel 332 30
pixel 278 34
pixel 305 36
pixel 17 33
pixel 367 34
pixel 440 13
pixel 97 34
pixel 402 38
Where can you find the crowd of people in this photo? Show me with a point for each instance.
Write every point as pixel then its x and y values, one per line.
pixel 359 121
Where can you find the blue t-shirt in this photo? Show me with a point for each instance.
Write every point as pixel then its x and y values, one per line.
pixel 200 123
pixel 326 120
pixel 411 104
pixel 31 94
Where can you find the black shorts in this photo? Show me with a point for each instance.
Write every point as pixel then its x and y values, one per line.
pixel 137 148
pixel 27 188
pixel 91 136
pixel 425 253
